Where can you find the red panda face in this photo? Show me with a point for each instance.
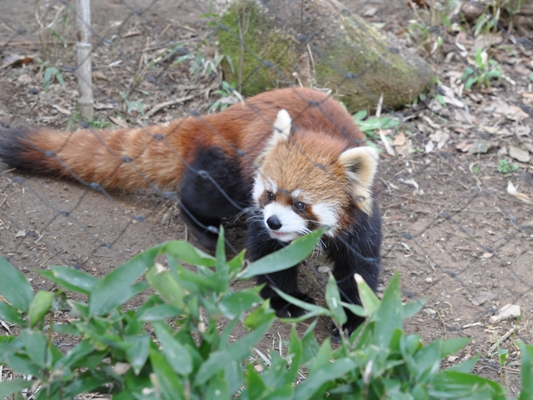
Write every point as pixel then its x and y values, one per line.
pixel 308 179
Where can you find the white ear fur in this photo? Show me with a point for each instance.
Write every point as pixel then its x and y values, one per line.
pixel 360 164
pixel 282 125
pixel 281 131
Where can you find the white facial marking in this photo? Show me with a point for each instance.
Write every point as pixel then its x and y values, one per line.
pixel 327 215
pixel 259 188
pixel 292 225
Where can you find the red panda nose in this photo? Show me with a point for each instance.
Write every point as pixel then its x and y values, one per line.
pixel 273 223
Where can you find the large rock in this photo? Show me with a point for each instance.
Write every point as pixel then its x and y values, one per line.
pixel 317 42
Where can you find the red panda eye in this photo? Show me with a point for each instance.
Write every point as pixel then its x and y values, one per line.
pixel 299 206
pixel 270 196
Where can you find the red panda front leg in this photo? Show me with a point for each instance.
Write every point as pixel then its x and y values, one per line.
pixel 356 250
pixel 261 244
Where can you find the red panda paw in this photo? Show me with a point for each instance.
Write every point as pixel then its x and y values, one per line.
pixel 284 309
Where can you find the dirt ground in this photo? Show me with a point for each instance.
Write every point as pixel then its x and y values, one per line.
pixel 452 230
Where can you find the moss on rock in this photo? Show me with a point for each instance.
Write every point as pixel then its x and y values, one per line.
pixel 348 55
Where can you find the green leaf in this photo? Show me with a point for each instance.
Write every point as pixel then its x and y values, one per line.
pixel 456 385
pixel 59 77
pixel 235 264
pixel 217 388
pixel 389 316
pixel 79 352
pixel 333 300
pixel 158 312
pixel 14 286
pixel 526 372
pixel 39 307
pixel 259 316
pixel 452 346
pixel 360 115
pixel 427 361
pixel 116 287
pixel 166 285
pixel 187 253
pixel 11 314
pixel 86 382
pixel 176 354
pixel 466 366
pixel 137 354
pixel 219 360
pixel 285 258
pixel 70 278
pixel 368 297
pixel 22 364
pixel 308 388
pixel 47 78
pixel 312 309
pixel 411 309
pixel 355 308
pixel 11 386
pixel 255 384
pixel 36 346
pixel 165 380
pixel 234 304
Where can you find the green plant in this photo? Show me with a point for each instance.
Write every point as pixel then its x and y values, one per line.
pixel 98 123
pixel 50 73
pixel 54 27
pixel 131 105
pixel 506 167
pixel 228 96
pixel 174 346
pixel 371 124
pixel 483 72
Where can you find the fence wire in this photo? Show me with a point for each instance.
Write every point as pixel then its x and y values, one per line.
pixel 426 228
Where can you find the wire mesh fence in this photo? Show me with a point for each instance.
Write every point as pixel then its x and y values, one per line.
pixel 450 227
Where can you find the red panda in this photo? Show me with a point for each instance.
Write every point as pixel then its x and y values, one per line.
pixel 294 158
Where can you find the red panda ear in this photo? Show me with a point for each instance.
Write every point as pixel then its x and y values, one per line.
pixel 360 165
pixel 281 129
pixel 282 125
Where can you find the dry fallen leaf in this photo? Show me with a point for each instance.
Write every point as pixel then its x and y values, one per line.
pixel 486 40
pixel 61 109
pixel 508 111
pixel 464 117
pixel 441 137
pixel 119 121
pixel 400 139
pixel 15 59
pixel 99 75
pixel 480 146
pixel 520 196
pixel 519 154
pixel 463 146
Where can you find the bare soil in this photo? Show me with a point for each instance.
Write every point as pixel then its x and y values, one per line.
pixel 458 239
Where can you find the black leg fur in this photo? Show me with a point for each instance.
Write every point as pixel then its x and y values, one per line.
pixel 212 189
pixel 353 252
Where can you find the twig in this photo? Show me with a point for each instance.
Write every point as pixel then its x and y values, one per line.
pixel 160 106
pixel 501 340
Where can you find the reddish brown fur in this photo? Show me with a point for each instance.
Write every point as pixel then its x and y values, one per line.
pixel 98 156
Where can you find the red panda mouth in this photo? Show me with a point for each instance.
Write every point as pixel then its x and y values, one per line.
pixel 282 236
